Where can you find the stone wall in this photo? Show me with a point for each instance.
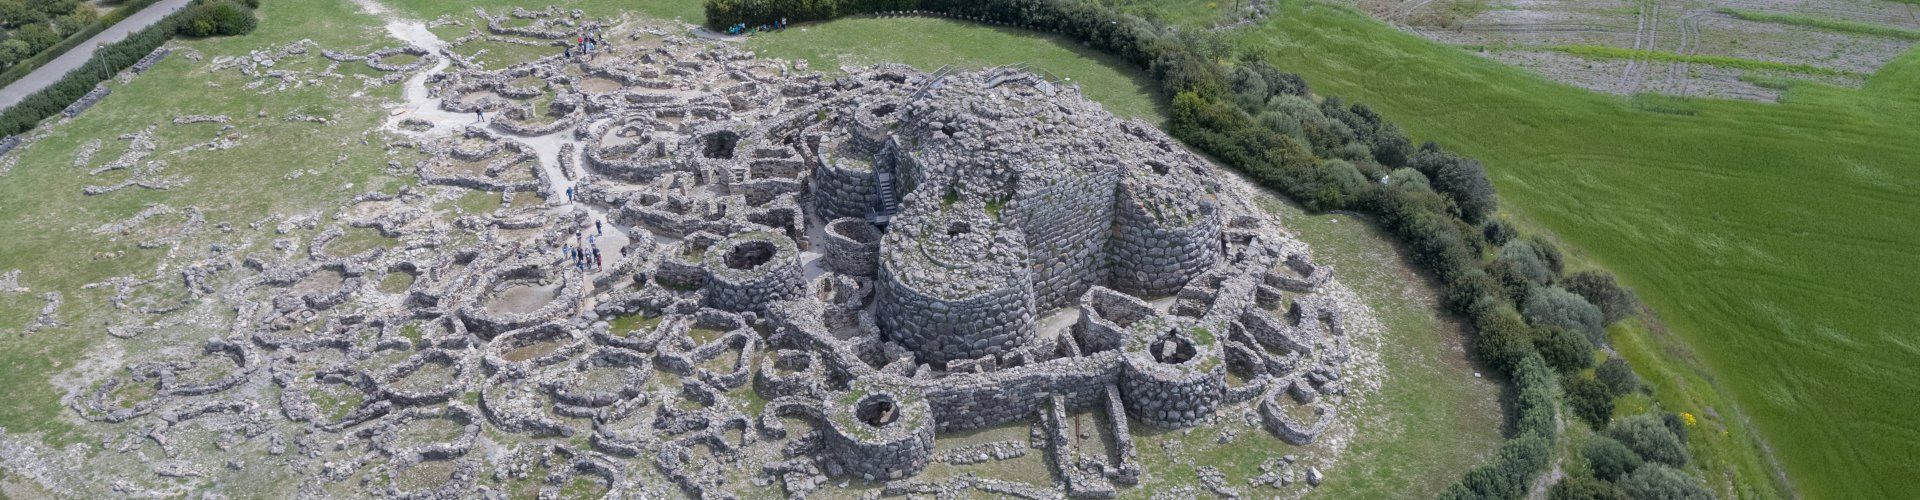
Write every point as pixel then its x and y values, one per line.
pixel 842 188
pixel 751 269
pixel 896 448
pixel 852 247
pixel 1154 252
pixel 1068 225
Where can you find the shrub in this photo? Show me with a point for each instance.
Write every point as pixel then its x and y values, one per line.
pixel 1674 425
pixel 1498 232
pixel 1608 459
pixel 1555 306
pixel 1618 376
pixel 1649 438
pixel 1589 401
pixel 1599 288
pixel 1659 482
pixel 1528 261
pixel 1408 179
pixel 1334 185
pixel 1564 350
pixel 1584 488
pixel 218 18
pixel 1533 403
pixel 1461 179
pixel 1391 146
pixel 1510 472
pixel 1501 339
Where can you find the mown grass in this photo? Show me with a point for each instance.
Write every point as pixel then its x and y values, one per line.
pixel 1824 23
pixel 1611 52
pixel 1775 239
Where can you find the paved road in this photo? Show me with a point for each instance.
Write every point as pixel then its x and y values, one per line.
pixel 43 76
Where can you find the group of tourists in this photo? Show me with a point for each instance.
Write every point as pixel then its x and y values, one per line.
pixel 584 251
pixel 587 42
pixel 742 29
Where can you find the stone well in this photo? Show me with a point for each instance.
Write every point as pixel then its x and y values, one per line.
pixel 879 432
pixel 751 269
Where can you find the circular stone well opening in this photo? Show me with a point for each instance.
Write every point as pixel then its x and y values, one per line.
pixel 720 145
pixel 855 229
pixel 1173 349
pixel 878 410
pixel 750 255
pixel 959 228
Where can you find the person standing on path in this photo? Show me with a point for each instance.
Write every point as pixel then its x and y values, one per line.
pixel 479 115
pixel 597 229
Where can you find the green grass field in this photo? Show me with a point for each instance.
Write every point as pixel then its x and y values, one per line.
pixel 1775 239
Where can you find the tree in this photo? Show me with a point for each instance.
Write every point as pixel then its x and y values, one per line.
pixel 1648 437
pixel 1608 459
pixel 1558 307
pixel 1659 482
pixel 14 50
pixel 1391 146
pixel 1461 179
pixel 1615 302
pixel 1498 232
pixel 1584 488
pixel 1618 376
pixel 218 18
pixel 1527 260
pixel 1564 350
pixel 1589 401
pixel 1409 179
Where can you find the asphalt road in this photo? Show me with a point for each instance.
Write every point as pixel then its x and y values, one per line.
pixel 46 75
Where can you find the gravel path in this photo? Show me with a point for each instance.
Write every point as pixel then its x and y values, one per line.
pixel 73 59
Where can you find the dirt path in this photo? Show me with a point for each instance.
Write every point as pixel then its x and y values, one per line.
pixel 58 68
pixel 608 237
pixel 1554 472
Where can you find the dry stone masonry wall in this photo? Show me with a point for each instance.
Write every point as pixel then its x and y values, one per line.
pixel 687 264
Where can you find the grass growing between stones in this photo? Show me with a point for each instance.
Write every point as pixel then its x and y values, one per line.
pixel 1776 239
pixel 47 221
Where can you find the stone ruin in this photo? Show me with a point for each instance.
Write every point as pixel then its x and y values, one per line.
pixel 814 275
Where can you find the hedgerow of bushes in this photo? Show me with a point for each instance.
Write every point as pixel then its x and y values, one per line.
pixel 202 18
pixel 1528 320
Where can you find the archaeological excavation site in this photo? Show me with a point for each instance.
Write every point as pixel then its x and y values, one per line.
pixel 672 268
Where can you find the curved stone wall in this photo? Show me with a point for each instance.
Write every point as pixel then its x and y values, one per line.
pixel 1159 245
pixel 879 432
pixel 952 291
pixel 852 247
pixel 749 270
pixel 1172 374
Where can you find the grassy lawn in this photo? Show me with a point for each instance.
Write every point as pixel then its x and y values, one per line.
pixel 1776 239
